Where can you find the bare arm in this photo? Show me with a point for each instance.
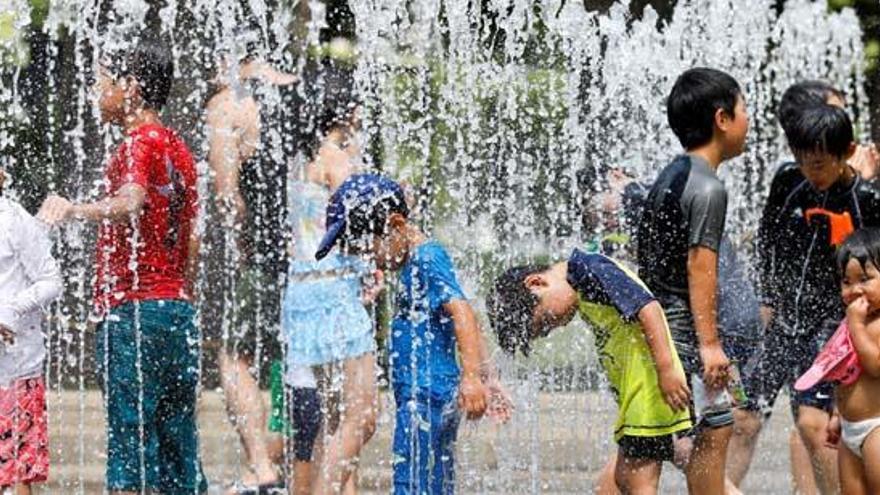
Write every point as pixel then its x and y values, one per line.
pixel 865 336
pixel 225 156
pixel 128 202
pixel 702 270
pixel 471 348
pixel 672 382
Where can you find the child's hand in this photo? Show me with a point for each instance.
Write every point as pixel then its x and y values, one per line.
pixel 715 365
pixel 673 386
pixel 55 210
pixel 500 407
pixel 866 161
pixel 472 397
pixel 832 431
pixel 857 312
pixel 373 287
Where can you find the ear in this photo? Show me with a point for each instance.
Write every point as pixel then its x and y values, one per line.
pixel 132 89
pixel 535 281
pixel 396 221
pixel 723 119
pixel 851 150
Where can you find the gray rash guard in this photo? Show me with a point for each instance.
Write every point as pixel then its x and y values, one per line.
pixel 686 208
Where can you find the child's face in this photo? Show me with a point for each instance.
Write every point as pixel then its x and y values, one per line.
pixel 557 302
pixel 389 250
pixel 821 169
pixel 857 282
pixel 113 95
pixel 735 128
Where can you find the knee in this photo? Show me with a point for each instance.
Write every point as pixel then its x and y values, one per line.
pixel 812 428
pixel 746 423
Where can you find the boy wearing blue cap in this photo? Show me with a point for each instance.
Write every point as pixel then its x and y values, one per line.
pixel 368 214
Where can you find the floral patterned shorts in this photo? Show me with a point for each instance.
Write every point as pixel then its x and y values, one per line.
pixel 24 446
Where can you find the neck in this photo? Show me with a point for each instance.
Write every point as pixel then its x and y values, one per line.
pixel 560 270
pixel 141 117
pixel 414 236
pixel 710 153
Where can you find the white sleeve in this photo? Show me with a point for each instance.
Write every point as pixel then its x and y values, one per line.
pixel 34 253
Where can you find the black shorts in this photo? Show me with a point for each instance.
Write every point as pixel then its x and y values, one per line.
pixel 305 421
pixel 654 448
pixel 781 358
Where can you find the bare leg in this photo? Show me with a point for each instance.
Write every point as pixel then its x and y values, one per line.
pixel 357 425
pixel 852 473
pixel 801 469
pixel 246 410
pixel 605 484
pixel 705 470
pixel 746 429
pixel 301 481
pixel 812 423
pixel 23 489
pixel 351 485
pixel 870 462
pixel 637 476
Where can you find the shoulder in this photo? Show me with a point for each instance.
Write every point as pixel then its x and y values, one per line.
pixel 228 109
pixel 432 259
pixel 869 192
pixel 702 183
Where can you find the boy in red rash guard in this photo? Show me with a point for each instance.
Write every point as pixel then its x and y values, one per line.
pixel 147 342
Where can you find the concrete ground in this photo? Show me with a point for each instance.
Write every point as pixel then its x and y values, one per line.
pixel 555 445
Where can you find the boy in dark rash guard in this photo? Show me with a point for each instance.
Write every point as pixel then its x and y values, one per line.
pixel 680 232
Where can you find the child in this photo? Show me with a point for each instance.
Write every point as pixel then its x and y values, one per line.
pixel 813 204
pixel 29 281
pixel 634 346
pixel 681 228
pixel 147 342
pixel 851 360
pixel 369 214
pixel 323 315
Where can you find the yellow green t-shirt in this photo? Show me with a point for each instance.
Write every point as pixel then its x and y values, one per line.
pixel 611 297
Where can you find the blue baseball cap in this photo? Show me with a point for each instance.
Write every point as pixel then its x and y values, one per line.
pixel 358 206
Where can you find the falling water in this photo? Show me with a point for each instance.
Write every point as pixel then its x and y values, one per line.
pixel 501 116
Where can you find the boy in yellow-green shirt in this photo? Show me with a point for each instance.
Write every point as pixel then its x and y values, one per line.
pixel 633 341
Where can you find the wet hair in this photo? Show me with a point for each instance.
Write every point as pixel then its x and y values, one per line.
pixel 371 219
pixel 330 102
pixel 511 307
pixel 695 98
pixel 821 128
pixel 150 63
pixel 862 245
pixel 805 94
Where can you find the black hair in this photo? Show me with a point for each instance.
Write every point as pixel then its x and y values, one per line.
pixel 823 128
pixel 862 245
pixel 801 95
pixel 511 307
pixel 150 63
pixel 329 102
pixel 371 218
pixel 695 98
